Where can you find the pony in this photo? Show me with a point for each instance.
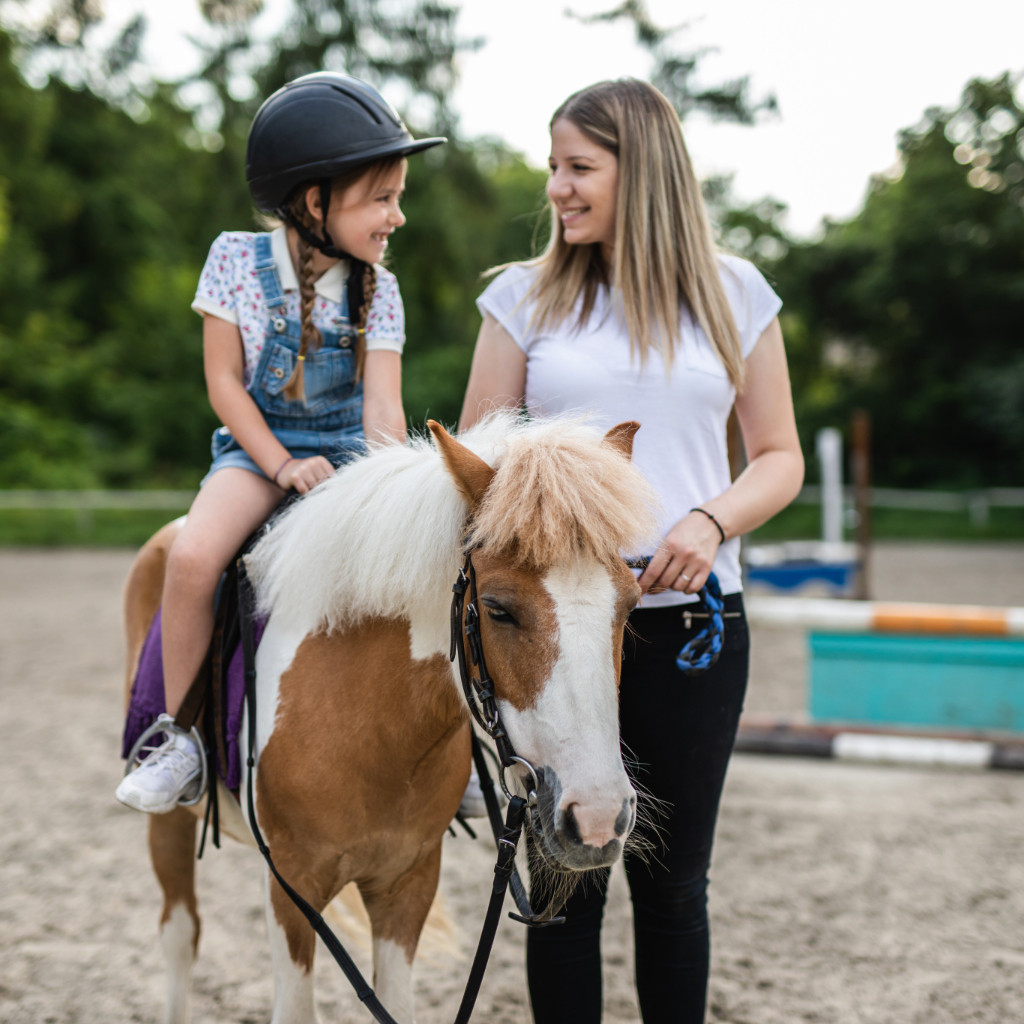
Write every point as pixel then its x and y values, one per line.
pixel 362 728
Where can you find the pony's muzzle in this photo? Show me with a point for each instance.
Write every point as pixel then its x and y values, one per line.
pixel 579 825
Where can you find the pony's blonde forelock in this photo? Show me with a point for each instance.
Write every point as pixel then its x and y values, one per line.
pixel 560 492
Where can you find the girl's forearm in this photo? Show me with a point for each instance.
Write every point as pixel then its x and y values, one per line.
pixel 240 414
pixel 383 413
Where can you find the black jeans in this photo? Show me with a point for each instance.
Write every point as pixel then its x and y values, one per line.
pixel 677 736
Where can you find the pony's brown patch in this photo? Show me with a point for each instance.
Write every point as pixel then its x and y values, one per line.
pixel 367 763
pixel 518 627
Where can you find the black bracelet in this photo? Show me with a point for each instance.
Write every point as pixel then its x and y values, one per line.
pixel 721 532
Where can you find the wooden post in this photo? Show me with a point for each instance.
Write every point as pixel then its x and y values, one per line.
pixel 860 455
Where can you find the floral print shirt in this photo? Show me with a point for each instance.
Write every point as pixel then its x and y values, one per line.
pixel 229 288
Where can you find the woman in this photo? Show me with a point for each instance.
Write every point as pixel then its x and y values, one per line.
pixel 630 313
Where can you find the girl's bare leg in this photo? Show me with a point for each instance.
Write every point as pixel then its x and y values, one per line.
pixel 230 505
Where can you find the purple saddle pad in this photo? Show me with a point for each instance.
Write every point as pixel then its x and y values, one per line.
pixel 147 701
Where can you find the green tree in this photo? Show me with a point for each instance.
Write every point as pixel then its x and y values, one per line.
pixel 912 309
pixel 113 186
pixel 99 232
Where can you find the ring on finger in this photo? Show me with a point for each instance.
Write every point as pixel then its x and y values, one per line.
pixel 683 576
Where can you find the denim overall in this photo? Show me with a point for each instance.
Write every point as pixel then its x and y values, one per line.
pixel 330 421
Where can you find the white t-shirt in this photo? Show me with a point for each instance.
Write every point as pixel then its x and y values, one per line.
pixel 681 446
pixel 229 288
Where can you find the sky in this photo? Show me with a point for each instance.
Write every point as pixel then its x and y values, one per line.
pixel 847 79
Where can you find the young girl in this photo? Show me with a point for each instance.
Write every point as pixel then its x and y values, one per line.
pixel 630 314
pixel 302 340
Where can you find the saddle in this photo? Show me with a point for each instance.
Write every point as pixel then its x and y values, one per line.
pixel 214 701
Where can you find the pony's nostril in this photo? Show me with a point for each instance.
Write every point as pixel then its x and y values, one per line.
pixel 627 816
pixel 569 831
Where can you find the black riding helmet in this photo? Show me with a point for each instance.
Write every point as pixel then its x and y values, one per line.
pixel 312 129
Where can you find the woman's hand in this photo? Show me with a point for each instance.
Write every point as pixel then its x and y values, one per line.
pixel 684 558
pixel 303 475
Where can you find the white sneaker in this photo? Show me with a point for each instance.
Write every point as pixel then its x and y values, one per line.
pixel 171 773
pixel 473 805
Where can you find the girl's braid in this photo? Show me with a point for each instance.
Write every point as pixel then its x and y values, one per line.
pixel 295 389
pixel 369 288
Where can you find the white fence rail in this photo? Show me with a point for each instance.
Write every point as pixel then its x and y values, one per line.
pixel 93 500
pixel 976 504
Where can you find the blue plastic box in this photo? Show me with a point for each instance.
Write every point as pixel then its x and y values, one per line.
pixel 967 683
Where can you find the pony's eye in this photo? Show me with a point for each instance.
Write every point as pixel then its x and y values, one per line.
pixel 496 613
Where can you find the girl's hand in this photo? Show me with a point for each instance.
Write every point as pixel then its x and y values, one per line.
pixel 685 557
pixel 303 475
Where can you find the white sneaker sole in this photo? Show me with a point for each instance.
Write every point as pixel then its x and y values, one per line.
pixel 142 800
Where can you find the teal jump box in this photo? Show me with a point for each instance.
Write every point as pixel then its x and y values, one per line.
pixel 967 683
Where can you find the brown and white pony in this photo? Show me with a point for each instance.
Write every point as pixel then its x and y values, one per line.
pixel 362 727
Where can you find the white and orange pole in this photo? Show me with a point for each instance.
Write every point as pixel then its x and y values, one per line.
pixel 882 617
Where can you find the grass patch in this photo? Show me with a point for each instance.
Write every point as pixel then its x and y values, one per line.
pixel 81 527
pixel 803 522
pixel 132 527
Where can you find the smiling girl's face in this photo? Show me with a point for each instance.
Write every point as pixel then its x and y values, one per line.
pixel 363 217
pixel 583 186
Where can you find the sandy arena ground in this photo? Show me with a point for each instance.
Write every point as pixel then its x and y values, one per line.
pixel 840 893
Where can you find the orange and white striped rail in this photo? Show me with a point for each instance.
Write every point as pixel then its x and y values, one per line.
pixel 881 617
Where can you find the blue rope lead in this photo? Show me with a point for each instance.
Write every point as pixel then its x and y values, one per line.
pixel 703 650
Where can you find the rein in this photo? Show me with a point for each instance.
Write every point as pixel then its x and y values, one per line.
pixel 507 841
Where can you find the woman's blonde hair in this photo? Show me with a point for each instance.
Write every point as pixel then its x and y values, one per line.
pixel 310 335
pixel 664 258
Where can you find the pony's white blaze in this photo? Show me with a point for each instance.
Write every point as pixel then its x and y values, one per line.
pixel 573 729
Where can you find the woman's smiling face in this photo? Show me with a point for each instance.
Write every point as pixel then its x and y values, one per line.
pixel 583 186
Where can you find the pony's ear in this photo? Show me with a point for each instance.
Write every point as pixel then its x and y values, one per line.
pixel 621 437
pixel 470 472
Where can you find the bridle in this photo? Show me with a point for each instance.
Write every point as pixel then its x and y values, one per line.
pixel 479 687
pixel 696 657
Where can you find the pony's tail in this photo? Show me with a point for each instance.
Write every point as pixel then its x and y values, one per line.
pixel 441 939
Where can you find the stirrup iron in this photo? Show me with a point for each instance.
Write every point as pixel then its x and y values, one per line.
pixel 165 723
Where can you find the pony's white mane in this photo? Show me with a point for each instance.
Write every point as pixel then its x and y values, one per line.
pixel 386 532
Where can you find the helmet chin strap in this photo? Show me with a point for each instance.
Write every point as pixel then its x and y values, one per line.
pixel 326 243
